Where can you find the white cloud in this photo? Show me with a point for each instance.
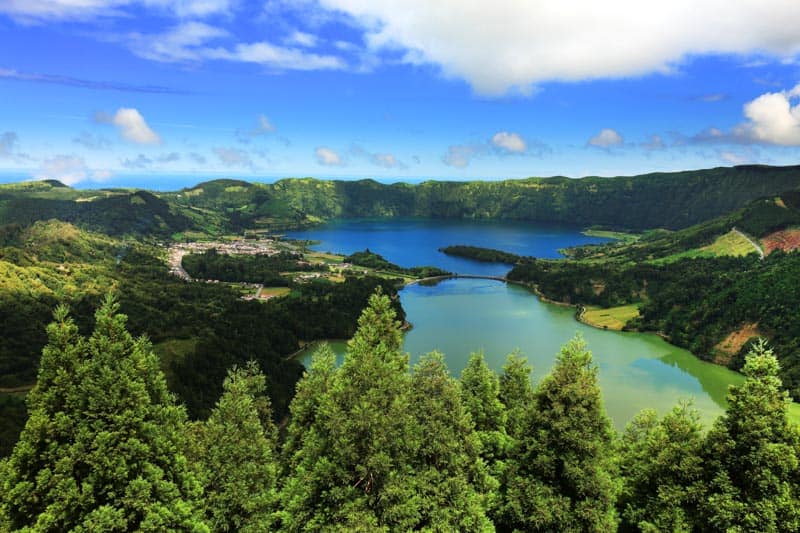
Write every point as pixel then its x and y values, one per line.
pixel 656 142
pixel 387 161
pixel 500 45
pixel 182 43
pixel 29 11
pixel 264 125
pixel 300 38
pixel 102 175
pixel 509 142
pixel 231 157
pixel 772 119
pixel 607 138
pixel 733 158
pixel 460 155
pixel 192 42
pixel 131 126
pixel 67 169
pixel 326 156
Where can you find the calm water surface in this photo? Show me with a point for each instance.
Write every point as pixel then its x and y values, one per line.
pixel 416 242
pixel 636 371
pixel 460 316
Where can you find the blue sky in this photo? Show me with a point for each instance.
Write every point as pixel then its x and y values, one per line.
pixel 164 92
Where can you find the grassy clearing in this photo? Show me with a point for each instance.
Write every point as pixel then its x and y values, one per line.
pixel 732 243
pixel 616 235
pixel 612 318
pixel 272 292
pixel 323 257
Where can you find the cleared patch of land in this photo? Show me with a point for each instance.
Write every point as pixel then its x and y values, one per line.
pixel 786 240
pixel 273 292
pixel 612 318
pixel 732 243
pixel 730 345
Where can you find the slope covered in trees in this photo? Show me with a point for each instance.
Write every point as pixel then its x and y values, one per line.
pixel 668 200
pixel 199 330
pixel 373 445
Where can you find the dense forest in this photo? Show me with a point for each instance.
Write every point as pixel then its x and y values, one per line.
pixel 373 445
pixel 199 330
pixel 661 200
pixel 378 262
pixel 669 200
pixel 262 268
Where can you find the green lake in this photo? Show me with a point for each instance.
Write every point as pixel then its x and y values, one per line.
pixel 636 371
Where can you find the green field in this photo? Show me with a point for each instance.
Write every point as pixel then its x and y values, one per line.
pixel 732 243
pixel 611 318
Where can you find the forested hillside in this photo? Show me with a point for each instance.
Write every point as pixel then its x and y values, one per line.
pixel 373 445
pixel 662 200
pixel 200 330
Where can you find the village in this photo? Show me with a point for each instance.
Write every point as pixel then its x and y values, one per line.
pixel 333 268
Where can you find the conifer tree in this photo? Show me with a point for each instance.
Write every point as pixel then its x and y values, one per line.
pixel 661 465
pixel 448 471
pixel 516 393
pixel 234 454
pixel 480 392
pixel 103 446
pixel 752 455
pixel 561 474
pixel 356 468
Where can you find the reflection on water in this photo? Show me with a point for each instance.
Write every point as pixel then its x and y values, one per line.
pixel 636 371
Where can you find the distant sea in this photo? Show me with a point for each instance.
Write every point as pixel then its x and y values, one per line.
pixel 174 182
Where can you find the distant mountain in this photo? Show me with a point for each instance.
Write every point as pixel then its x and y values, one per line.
pixel 661 200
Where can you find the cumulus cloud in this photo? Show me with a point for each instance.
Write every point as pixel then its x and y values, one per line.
pixel 231 157
pixel 515 44
pixel 326 156
pixel 387 161
pixel 509 142
pixel 263 127
pixel 772 119
pixel 67 169
pixel 460 155
pixel 607 138
pixel 131 126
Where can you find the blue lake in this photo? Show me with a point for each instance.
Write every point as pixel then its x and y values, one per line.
pixel 460 316
pixel 416 242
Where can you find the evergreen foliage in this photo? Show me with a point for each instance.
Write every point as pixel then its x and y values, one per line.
pixel 661 465
pixel 562 473
pixel 234 453
pixel 751 455
pixel 371 446
pixel 102 448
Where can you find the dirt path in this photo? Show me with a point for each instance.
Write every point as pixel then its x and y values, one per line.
pixel 751 241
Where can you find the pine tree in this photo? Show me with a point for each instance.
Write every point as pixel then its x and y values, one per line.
pixel 661 465
pixel 480 392
pixel 561 474
pixel 355 467
pixel 516 393
pixel 235 456
pixel 103 446
pixel 752 455
pixel 448 471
